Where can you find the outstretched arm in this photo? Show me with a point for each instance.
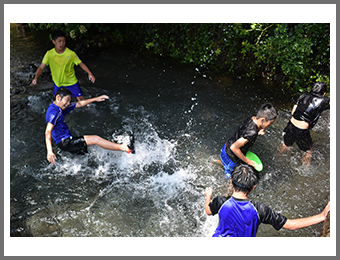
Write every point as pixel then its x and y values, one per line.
pixel 293 224
pixel 38 73
pixel 85 102
pixel 48 140
pixel 85 68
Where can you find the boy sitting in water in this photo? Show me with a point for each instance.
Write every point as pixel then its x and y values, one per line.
pixel 305 114
pixel 234 150
pixel 58 130
pixel 241 217
pixel 61 61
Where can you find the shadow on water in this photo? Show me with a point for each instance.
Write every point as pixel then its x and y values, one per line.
pixel 181 117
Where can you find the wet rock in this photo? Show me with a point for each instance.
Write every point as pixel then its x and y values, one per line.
pixel 81 47
pixel 43 224
pixel 21 80
pixel 30 68
pixel 18 103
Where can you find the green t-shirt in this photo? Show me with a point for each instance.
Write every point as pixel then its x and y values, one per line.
pixel 62 66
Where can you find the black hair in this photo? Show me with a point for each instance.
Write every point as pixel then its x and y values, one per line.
pixel 244 178
pixel 63 92
pixel 268 111
pixel 319 88
pixel 57 33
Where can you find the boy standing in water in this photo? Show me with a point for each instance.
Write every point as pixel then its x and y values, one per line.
pixel 305 114
pixel 61 61
pixel 241 217
pixel 58 130
pixel 234 150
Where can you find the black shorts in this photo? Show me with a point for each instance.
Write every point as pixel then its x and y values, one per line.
pixel 292 134
pixel 74 145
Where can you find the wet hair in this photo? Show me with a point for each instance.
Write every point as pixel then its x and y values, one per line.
pixel 319 88
pixel 244 178
pixel 63 92
pixel 268 111
pixel 57 33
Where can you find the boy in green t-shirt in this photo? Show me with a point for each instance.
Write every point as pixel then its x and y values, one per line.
pixel 61 61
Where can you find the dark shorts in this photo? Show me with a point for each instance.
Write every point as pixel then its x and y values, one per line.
pixel 292 134
pixel 75 89
pixel 74 145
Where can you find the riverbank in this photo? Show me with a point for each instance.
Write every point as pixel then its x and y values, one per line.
pixel 251 50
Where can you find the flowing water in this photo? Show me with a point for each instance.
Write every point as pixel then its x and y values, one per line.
pixel 181 116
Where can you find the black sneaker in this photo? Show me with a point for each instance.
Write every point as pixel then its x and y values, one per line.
pixel 132 143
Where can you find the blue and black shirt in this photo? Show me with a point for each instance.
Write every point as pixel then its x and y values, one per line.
pixel 55 116
pixel 242 217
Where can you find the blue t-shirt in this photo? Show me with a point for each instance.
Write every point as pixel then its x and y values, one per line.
pixel 241 218
pixel 55 116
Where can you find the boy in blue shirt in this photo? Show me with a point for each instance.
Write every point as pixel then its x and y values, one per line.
pixel 241 217
pixel 57 129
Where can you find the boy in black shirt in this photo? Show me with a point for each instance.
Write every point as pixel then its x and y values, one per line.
pixel 241 217
pixel 234 150
pixel 305 114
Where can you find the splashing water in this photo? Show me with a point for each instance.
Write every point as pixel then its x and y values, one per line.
pixel 159 191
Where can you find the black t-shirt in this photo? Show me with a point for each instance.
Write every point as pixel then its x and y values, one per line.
pixel 248 130
pixel 309 108
pixel 265 214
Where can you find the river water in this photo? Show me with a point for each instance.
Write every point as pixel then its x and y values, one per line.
pixel 181 117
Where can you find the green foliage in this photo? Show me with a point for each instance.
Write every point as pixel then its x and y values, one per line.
pixel 294 54
pixel 290 51
pixel 73 30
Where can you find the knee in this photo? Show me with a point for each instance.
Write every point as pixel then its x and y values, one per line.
pixel 91 139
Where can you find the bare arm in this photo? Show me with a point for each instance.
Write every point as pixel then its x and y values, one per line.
pixel 91 100
pixel 293 224
pixel 85 68
pixel 236 148
pixel 208 194
pixel 294 108
pixel 38 73
pixel 48 140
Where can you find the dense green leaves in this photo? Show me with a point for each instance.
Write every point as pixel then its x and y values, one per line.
pixel 293 54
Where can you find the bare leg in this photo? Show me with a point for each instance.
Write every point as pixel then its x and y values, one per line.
pixel 307 158
pixel 284 148
pixel 218 162
pixel 103 143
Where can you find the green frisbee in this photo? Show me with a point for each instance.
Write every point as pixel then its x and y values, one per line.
pixel 253 157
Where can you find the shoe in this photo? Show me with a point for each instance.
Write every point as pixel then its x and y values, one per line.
pixel 132 144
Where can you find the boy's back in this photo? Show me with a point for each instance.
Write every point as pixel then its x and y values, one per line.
pixel 237 217
pixel 309 107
